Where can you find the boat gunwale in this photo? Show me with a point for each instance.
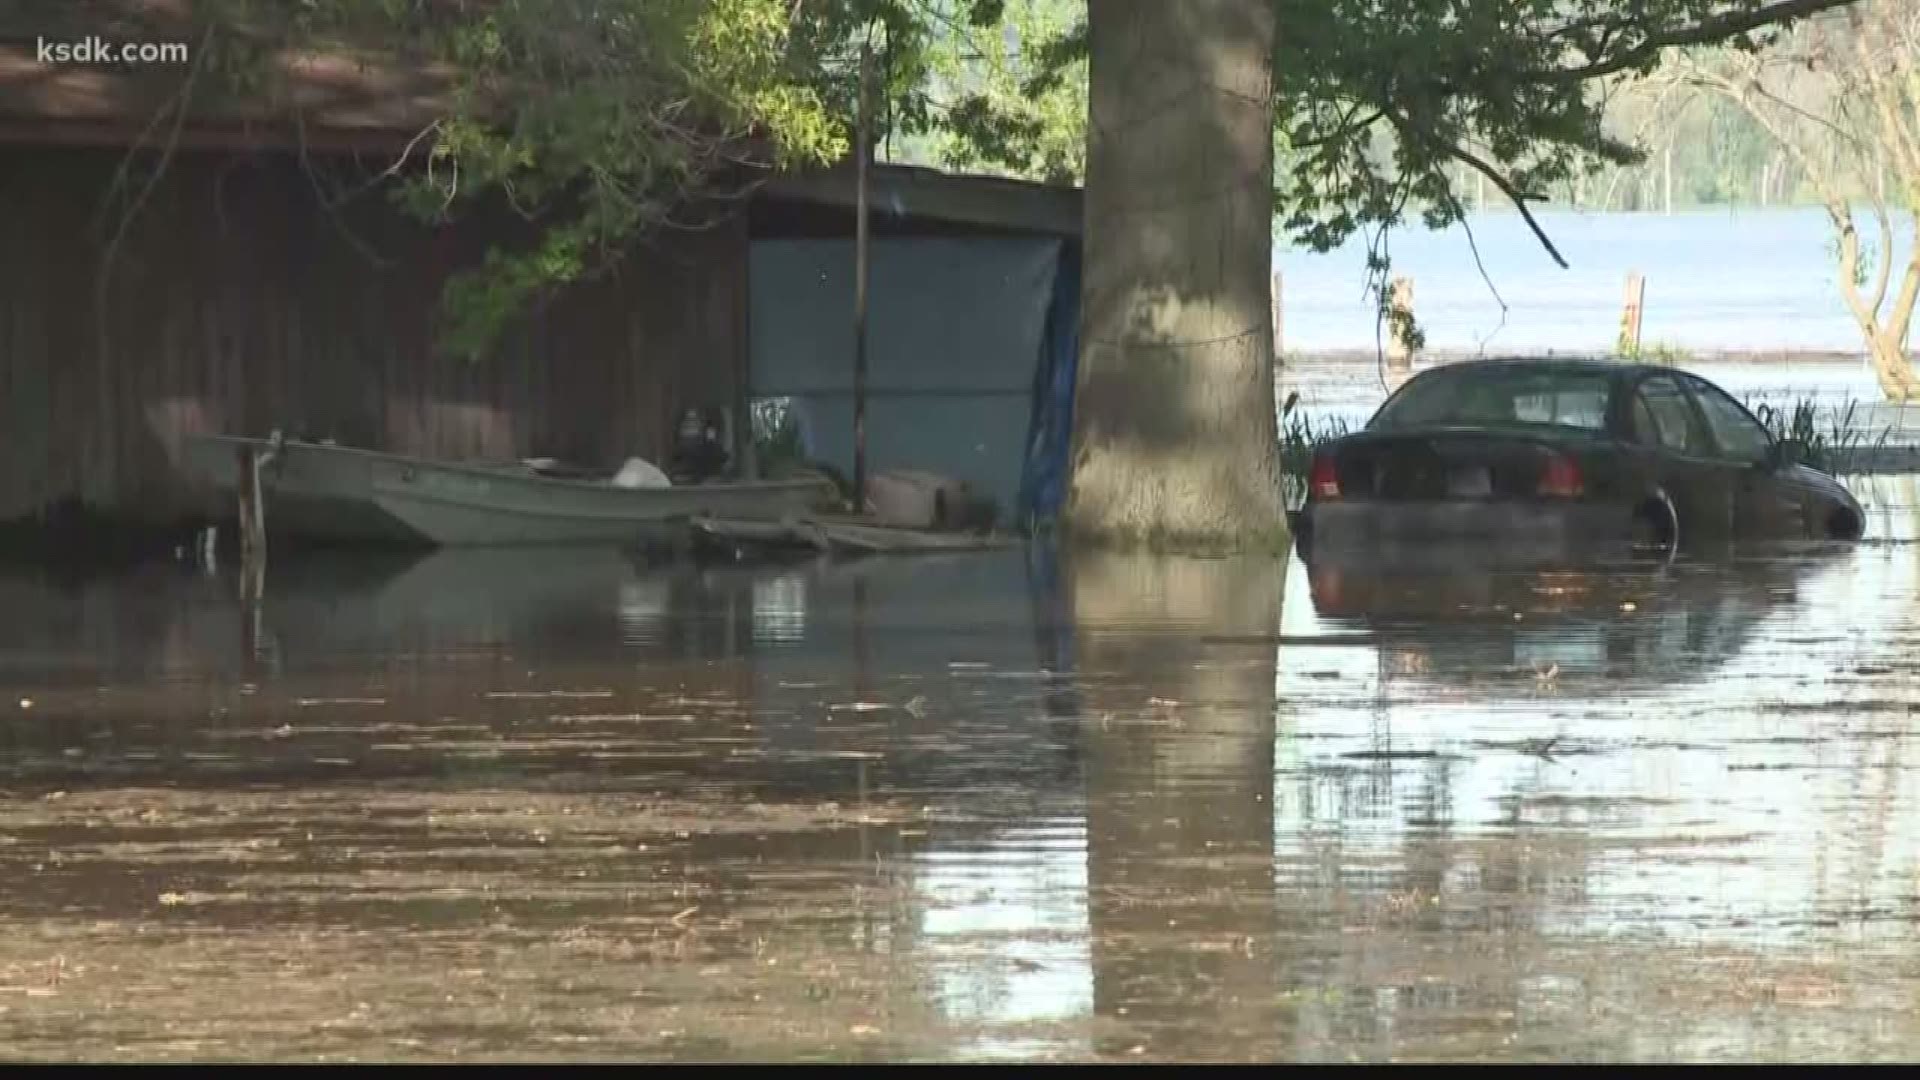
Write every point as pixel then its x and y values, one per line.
pixel 380 493
pixel 503 469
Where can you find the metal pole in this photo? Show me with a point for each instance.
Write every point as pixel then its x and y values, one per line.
pixel 860 293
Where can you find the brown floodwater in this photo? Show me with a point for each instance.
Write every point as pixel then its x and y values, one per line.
pixel 497 806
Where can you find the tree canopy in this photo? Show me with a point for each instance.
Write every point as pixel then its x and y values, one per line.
pixel 596 120
pixel 1383 107
pixel 603 119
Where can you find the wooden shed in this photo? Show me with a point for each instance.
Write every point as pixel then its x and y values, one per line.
pixel 229 269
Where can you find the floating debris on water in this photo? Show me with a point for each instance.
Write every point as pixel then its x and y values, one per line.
pixel 537 694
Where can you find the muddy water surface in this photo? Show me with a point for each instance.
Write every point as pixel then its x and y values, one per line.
pixel 494 806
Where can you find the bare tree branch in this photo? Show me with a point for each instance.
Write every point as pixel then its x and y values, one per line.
pixel 1844 116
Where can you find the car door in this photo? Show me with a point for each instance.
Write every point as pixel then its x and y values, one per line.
pixel 1663 416
pixel 1765 502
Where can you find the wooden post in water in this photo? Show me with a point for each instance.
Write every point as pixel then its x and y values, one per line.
pixel 253 526
pixel 1629 344
pixel 243 486
pixel 1399 342
pixel 860 292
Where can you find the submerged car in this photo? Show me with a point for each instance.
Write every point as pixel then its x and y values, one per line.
pixel 1555 456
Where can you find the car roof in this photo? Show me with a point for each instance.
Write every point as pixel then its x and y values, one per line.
pixel 1602 365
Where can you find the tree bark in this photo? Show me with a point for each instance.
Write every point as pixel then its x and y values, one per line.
pixel 1175 437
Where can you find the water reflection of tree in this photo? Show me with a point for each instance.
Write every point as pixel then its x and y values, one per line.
pixel 1178 741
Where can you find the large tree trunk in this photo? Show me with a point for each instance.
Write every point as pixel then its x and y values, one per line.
pixel 1883 327
pixel 1892 367
pixel 1175 438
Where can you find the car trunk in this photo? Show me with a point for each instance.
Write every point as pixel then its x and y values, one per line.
pixel 1441 465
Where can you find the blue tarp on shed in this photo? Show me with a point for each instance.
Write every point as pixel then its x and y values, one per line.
pixel 970 350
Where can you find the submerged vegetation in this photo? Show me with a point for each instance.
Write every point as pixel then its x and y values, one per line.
pixel 1821 445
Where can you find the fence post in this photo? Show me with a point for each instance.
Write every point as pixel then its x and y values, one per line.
pixel 1629 344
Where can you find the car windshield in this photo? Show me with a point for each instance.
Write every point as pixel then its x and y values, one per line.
pixel 1499 397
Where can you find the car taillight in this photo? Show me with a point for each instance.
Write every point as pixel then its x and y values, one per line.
pixel 1329 589
pixel 1561 478
pixel 1323 482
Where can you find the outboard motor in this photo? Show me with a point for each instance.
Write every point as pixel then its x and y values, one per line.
pixel 698 455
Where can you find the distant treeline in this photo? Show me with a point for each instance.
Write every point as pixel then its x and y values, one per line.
pixel 1702 150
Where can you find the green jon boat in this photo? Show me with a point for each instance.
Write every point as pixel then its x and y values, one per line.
pixel 331 493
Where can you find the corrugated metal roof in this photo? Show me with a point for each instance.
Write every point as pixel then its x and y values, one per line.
pixel 917 192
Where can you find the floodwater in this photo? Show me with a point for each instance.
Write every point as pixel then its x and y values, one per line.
pixel 1746 278
pixel 491 806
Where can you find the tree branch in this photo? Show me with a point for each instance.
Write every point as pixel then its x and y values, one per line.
pixel 1347 125
pixel 1519 200
pixel 1893 110
pixel 1704 32
pixel 1898 320
pixel 1883 272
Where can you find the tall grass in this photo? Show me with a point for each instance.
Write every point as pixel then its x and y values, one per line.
pixel 1659 352
pixel 1821 446
pixel 1301 435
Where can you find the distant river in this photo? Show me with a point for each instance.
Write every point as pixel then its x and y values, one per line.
pixel 1726 279
pixel 1716 279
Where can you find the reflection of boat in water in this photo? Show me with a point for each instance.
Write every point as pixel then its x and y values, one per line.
pixel 595 603
pixel 1646 622
pixel 547 601
pixel 338 493
pixel 816 679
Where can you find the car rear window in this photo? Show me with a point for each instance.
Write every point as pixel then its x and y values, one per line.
pixel 1499 398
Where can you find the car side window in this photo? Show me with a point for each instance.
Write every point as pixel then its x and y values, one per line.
pixel 1640 423
pixel 1676 426
pixel 1738 435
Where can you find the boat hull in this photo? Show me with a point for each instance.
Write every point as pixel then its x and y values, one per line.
pixel 341 494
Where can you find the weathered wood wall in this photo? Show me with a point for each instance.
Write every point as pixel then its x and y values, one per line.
pixel 237 302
